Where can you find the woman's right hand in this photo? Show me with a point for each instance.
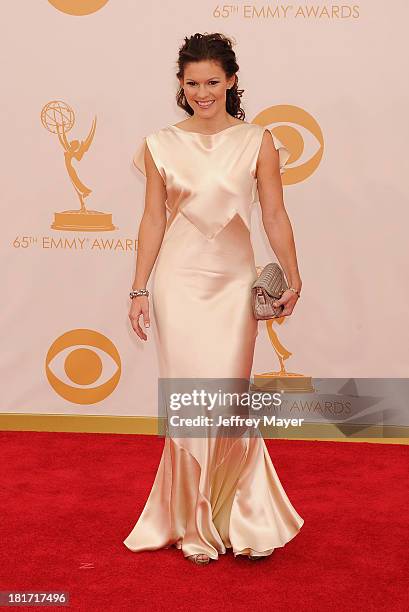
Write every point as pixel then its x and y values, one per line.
pixel 139 306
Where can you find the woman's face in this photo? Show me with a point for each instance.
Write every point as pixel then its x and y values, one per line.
pixel 205 86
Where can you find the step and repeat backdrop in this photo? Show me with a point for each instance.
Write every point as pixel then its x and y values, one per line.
pixel 85 81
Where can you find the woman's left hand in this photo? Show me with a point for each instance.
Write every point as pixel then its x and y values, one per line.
pixel 288 300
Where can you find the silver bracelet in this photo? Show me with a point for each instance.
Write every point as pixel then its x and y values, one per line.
pixel 136 292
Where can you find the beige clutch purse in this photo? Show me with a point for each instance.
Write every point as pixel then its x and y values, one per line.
pixel 267 288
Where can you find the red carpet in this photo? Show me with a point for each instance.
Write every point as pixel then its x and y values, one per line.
pixel 68 500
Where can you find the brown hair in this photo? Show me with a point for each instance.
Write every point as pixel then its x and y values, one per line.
pixel 214 47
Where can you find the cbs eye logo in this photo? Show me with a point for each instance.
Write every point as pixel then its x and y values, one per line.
pixel 77 360
pixel 298 138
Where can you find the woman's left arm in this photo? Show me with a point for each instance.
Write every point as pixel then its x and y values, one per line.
pixel 275 219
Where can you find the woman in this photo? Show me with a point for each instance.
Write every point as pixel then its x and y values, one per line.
pixel 210 493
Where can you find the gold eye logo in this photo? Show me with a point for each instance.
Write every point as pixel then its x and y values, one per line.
pixel 78 7
pixel 295 128
pixel 84 352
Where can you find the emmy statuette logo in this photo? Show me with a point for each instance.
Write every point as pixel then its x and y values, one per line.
pixel 58 118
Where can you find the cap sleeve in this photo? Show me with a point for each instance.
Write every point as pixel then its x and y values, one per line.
pixel 283 156
pixel 283 153
pixel 155 146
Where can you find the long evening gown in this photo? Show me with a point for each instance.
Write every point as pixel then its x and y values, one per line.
pixel 210 493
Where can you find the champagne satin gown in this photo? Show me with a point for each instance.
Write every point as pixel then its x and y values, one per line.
pixel 210 493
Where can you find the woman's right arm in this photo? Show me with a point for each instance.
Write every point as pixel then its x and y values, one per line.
pixel 150 236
